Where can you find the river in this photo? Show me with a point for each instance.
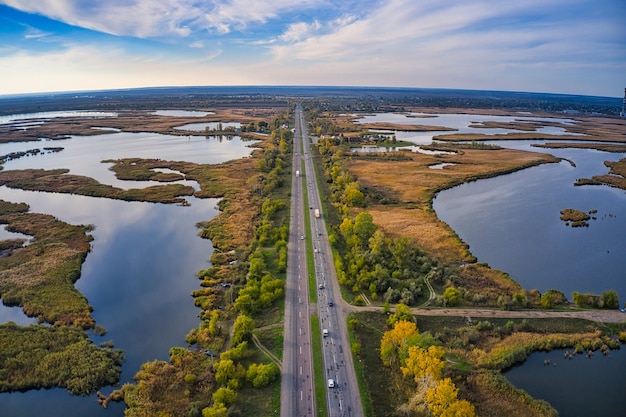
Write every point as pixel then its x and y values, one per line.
pixel 141 271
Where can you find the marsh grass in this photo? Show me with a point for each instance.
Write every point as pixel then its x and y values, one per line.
pixel 40 356
pixel 40 277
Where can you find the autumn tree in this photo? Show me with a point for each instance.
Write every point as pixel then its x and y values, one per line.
pixel 394 340
pixel 442 401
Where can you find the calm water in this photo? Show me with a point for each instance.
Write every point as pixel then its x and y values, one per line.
pixel 141 271
pixel 512 222
pixel 580 387
pixel 208 125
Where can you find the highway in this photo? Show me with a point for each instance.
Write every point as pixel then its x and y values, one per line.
pixel 343 398
pixel 297 391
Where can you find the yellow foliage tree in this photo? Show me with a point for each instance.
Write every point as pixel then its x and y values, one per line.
pixel 443 402
pixel 422 362
pixel 394 339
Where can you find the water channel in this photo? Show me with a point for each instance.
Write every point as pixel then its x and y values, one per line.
pixel 141 271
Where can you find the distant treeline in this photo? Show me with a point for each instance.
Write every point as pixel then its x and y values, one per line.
pixel 334 98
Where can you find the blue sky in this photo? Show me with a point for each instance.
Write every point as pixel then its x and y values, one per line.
pixel 573 46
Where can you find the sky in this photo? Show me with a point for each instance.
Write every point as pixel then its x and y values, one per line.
pixel 555 46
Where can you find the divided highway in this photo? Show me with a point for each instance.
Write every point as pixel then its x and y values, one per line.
pixel 297 391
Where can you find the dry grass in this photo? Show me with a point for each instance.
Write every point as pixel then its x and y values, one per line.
pixel 414 185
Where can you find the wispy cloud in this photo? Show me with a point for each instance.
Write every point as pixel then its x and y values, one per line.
pixel 552 45
pixel 156 18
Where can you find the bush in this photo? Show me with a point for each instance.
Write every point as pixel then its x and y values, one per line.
pixel 452 296
pixel 261 375
pixel 552 298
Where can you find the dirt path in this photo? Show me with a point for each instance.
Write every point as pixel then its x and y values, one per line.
pixel 601 316
pixel 269 354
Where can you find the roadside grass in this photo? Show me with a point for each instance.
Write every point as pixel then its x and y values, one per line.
pixel 318 368
pixel 272 339
pixel 379 394
pixel 254 402
pixel 310 262
pixel 358 368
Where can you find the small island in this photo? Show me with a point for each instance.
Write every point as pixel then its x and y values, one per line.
pixel 577 218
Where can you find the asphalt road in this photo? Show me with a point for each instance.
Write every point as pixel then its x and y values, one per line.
pixel 343 399
pixel 297 391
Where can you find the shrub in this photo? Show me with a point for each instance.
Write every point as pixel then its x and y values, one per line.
pixel 452 296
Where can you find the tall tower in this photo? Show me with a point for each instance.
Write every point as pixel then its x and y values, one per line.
pixel 623 113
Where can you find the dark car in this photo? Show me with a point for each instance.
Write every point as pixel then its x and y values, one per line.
pixel 330 303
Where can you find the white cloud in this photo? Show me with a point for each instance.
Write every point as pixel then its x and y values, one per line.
pixel 298 31
pixel 154 18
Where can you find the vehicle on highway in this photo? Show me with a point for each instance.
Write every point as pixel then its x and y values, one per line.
pixel 325 332
pixel 321 286
pixel 331 383
pixel 330 303
pixel 301 237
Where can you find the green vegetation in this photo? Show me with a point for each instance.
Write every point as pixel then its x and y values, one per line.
pixel 40 356
pixel 40 277
pixel 552 298
pixel 608 299
pixel 366 259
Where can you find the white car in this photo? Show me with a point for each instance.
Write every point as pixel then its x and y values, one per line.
pixel 331 383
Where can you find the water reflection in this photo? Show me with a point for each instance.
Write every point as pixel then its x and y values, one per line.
pixel 182 113
pixel 51 115
pixel 464 123
pixel 208 126
pixel 579 387
pixel 83 155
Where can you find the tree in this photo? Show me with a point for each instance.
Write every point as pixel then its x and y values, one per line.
pixel 242 329
pixel 364 227
pixel 216 410
pixel 403 313
pixel 424 362
pixel 394 340
pixel 551 298
pixel 442 401
pixel 261 375
pixel 452 296
pixel 225 396
pixel 610 299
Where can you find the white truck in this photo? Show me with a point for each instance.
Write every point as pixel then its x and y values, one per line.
pixel 316 213
pixel 297 173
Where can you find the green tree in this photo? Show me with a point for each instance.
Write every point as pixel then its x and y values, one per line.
pixel 216 410
pixel 225 370
pixel 242 329
pixel 225 396
pixel 609 299
pixel 402 313
pixel 552 298
pixel 261 375
pixel 452 296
